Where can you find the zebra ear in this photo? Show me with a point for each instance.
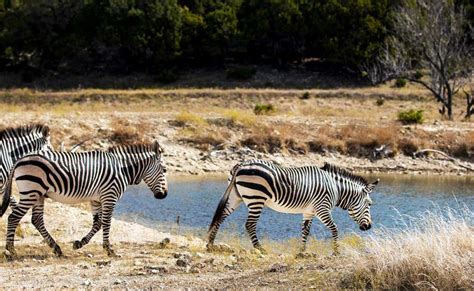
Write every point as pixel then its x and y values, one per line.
pixel 376 182
pixel 157 148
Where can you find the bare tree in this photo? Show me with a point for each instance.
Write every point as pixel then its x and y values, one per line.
pixel 430 37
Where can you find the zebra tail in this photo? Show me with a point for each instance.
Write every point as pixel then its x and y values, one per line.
pixel 8 192
pixel 222 204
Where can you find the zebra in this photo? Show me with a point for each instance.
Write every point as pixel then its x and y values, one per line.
pixel 97 177
pixel 309 190
pixel 18 142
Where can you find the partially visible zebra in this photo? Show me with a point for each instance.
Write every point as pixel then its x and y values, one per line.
pixel 99 177
pixel 18 142
pixel 309 190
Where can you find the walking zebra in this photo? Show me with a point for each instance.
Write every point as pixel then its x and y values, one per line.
pixel 309 190
pixel 18 142
pixel 98 177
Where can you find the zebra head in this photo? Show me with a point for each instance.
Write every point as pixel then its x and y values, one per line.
pixel 155 174
pixel 359 210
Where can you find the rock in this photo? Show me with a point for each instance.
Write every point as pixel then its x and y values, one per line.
pixel 156 269
pixel 165 242
pixel 86 282
pixel 222 248
pixel 103 263
pixel 278 268
pixel 118 282
pixel 199 255
pixel 182 263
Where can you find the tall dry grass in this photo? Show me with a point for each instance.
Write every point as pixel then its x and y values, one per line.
pixel 436 251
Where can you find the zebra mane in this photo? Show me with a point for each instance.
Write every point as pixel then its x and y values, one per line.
pixel 24 130
pixel 344 173
pixel 136 148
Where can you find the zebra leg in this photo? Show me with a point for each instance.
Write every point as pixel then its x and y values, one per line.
pixel 232 204
pixel 305 229
pixel 96 225
pixel 38 221
pixel 14 219
pixel 107 209
pixel 255 210
pixel 326 219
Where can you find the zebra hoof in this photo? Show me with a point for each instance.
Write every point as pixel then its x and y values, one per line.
pixel 76 245
pixel 9 255
pixel 57 251
pixel 111 253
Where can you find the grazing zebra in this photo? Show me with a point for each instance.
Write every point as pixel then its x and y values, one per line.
pixel 309 190
pixel 99 177
pixel 18 142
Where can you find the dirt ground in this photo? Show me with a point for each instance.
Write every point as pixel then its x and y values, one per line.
pixel 144 262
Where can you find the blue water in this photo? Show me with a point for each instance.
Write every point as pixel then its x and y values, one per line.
pixel 195 200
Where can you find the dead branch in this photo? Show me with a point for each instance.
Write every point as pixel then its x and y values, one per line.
pixel 451 159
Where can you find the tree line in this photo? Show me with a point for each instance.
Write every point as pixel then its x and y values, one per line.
pixel 124 36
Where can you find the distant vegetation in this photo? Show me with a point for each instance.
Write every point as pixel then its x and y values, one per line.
pixel 69 36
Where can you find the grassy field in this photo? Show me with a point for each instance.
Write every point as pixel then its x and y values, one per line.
pixel 349 121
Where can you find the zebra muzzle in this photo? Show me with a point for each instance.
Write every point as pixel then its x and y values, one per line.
pixel 161 195
pixel 365 226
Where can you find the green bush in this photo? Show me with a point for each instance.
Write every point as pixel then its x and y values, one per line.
pixel 305 96
pixel 400 83
pixel 261 109
pixel 240 73
pixel 380 101
pixel 418 75
pixel 411 116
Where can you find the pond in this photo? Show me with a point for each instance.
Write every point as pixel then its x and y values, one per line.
pixel 194 201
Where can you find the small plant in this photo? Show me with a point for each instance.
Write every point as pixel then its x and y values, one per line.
pixel 400 83
pixel 411 116
pixel 380 101
pixel 418 75
pixel 262 109
pixel 305 96
pixel 240 73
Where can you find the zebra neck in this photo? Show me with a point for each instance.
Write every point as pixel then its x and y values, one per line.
pixel 133 167
pixel 17 148
pixel 348 193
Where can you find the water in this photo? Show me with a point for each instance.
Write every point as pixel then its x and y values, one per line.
pixel 195 200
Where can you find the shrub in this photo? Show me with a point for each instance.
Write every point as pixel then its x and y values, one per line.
pixel 400 83
pixel 407 147
pixel 205 142
pixel 305 96
pixel 262 109
pixel 240 73
pixel 239 118
pixel 380 101
pixel 186 118
pixel 411 116
pixel 263 143
pixel 418 75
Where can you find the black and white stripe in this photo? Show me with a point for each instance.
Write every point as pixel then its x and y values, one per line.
pixel 18 142
pixel 97 177
pixel 311 191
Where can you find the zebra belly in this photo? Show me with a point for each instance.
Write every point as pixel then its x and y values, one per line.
pixel 71 199
pixel 280 208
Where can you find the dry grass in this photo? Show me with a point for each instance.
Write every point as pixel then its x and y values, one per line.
pixel 187 118
pixel 436 251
